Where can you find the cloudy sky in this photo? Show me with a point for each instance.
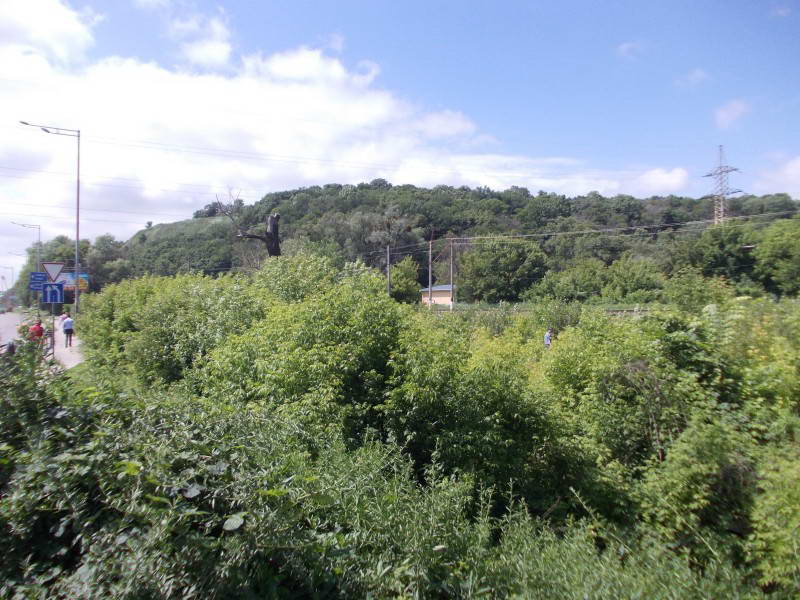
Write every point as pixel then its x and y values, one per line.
pixel 179 101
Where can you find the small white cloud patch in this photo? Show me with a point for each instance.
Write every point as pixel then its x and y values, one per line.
pixel 629 50
pixel 206 40
pixel 694 77
pixel 730 112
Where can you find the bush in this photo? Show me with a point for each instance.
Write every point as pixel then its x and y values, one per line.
pixel 324 358
pixel 775 543
pixel 163 496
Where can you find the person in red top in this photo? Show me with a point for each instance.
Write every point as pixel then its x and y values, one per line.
pixel 36 332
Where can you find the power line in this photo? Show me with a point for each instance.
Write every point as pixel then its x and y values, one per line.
pixel 51 218
pixel 247 155
pixel 105 210
pixel 637 230
pixel 128 187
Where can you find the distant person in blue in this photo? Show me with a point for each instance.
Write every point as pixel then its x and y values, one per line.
pixel 69 329
pixel 548 338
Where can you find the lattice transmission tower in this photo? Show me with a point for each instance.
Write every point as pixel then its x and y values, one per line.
pixel 721 189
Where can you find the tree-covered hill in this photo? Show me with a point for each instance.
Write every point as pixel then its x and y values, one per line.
pixel 566 236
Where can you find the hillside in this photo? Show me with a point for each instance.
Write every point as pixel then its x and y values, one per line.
pixel 191 245
pixel 564 239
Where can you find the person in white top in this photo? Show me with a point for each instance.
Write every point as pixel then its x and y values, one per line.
pixel 69 329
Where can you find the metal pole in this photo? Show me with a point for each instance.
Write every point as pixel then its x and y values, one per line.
pixel 430 272
pixel 38 258
pixel 388 271
pixel 76 133
pixel 78 228
pixel 39 268
pixel 452 289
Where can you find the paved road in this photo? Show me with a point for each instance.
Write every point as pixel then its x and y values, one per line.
pixel 68 357
pixel 8 326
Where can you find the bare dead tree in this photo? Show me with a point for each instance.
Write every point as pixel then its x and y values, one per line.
pixel 271 237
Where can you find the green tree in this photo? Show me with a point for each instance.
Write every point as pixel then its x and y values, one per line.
pixel 633 280
pixel 405 287
pixel 495 271
pixel 778 257
pixel 582 281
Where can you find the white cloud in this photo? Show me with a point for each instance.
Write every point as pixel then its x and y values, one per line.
pixel 694 77
pixel 49 28
pixel 207 53
pixel 730 112
pixel 661 181
pixel 159 142
pixel 152 4
pixel 784 178
pixel 780 11
pixel 629 50
pixel 205 40
pixel 335 42
pixel 446 123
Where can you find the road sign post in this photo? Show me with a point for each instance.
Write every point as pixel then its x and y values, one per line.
pixel 53 293
pixel 37 279
pixel 53 270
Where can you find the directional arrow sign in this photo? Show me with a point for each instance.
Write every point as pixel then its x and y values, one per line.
pixel 53 292
pixel 53 269
pixel 37 279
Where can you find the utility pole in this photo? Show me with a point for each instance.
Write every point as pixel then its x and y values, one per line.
pixel 388 271
pixel 76 133
pixel 721 190
pixel 430 272
pixel 38 228
pixel 452 289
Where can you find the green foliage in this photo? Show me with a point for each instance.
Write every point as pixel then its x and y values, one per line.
pixel 778 257
pixel 405 285
pixel 704 488
pixel 690 291
pixel 156 496
pixel 463 402
pixel 633 280
pixel 495 271
pixel 584 280
pixel 293 279
pixel 775 543
pixel 155 328
pixel 318 438
pixel 323 359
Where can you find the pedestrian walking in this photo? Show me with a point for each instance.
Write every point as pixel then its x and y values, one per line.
pixel 548 338
pixel 68 326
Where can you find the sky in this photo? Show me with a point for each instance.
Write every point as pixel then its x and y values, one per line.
pixel 181 102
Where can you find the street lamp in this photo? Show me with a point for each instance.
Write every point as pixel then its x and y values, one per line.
pixel 12 275
pixel 38 254
pixel 38 243
pixel 76 133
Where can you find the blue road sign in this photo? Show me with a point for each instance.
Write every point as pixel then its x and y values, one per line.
pixel 53 292
pixel 37 279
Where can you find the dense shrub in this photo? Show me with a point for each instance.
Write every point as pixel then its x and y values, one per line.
pixel 325 358
pixel 463 401
pixel 164 496
pixel 680 427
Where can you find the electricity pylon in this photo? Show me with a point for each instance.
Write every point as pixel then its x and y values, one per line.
pixel 721 189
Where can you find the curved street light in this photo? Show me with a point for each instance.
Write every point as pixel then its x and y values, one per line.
pixel 76 133
pixel 8 285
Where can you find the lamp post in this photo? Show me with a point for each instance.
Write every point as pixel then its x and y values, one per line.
pixel 38 243
pixel 38 254
pixel 8 286
pixel 76 133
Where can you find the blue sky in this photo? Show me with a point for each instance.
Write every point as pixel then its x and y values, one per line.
pixel 607 82
pixel 180 101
